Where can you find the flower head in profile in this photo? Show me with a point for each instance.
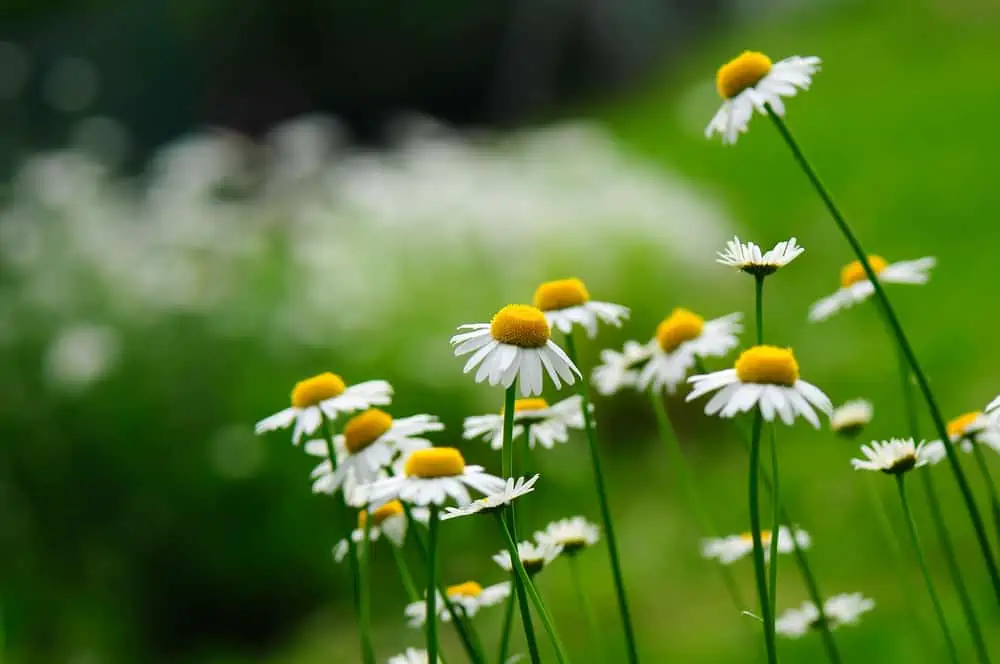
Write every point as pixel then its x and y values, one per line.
pixel 468 597
pixel 752 82
pixel 566 302
pixel 324 395
pixel 764 377
pixel 411 656
pixel 513 490
pixel 618 370
pixel 573 534
pixel 855 286
pixel 729 549
pixel 893 457
pixel 547 425
pixel 371 441
pixel 389 519
pixel 515 345
pixel 535 556
pixel 749 258
pixel 851 418
pixel 966 430
pixel 681 338
pixel 430 477
pixel 840 610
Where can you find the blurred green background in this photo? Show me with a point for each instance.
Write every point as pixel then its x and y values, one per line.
pixel 162 289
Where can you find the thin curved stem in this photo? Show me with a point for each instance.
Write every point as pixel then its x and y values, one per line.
pixel 585 606
pixel 759 306
pixel 508 621
pixel 760 573
pixel 405 577
pixel 904 345
pixel 432 592
pixel 984 470
pixel 775 528
pixel 686 477
pixel 918 550
pixel 602 499
pixel 364 596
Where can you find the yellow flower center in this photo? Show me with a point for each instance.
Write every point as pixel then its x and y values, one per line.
pixel 311 391
pixel 958 426
pixel 528 405
pixel 680 326
pixel 561 294
pixel 520 325
pixel 767 365
pixel 467 589
pixel 854 272
pixel 364 429
pixel 765 537
pixel 390 509
pixel 435 462
pixel 742 72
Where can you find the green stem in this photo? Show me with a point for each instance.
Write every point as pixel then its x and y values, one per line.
pixel 520 589
pixel 432 584
pixel 364 596
pixel 984 470
pixel 507 452
pixel 759 300
pixel 918 550
pixel 904 345
pixel 404 574
pixel 533 595
pixel 602 499
pixel 588 610
pixel 686 477
pixel 760 573
pixel 508 621
pixel 775 527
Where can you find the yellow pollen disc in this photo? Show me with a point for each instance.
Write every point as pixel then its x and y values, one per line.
pixel 528 405
pixel 561 294
pixel 435 462
pixel 742 72
pixel 467 589
pixel 311 391
pixel 390 509
pixel 853 272
pixel 958 426
pixel 364 429
pixel 765 537
pixel 767 365
pixel 680 326
pixel 520 325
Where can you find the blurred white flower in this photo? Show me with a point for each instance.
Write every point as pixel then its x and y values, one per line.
pixel 548 424
pixel 851 417
pixel 840 610
pixel 566 303
pixel 855 286
pixel 734 547
pixel 80 355
pixel 681 339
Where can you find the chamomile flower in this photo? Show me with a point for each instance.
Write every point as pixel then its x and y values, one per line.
pixel 680 339
pixel 752 82
pixel 430 476
pixel 749 258
pixel 967 430
pixel 840 610
pixel 535 556
pixel 370 442
pixel 855 286
pixel 619 370
pixel 512 490
pixel 515 345
pixel 411 656
pixel 893 457
pixel 566 302
pixel 389 519
pixel 324 395
pixel 469 597
pixel 573 534
pixel 849 419
pixel 548 424
pixel 764 377
pixel 729 549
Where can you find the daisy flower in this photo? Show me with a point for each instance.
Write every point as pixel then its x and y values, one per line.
pixel 850 418
pixel 566 302
pixel 389 519
pixel 682 337
pixel 535 556
pixel 325 395
pixel 619 370
pixel 855 286
pixel 411 656
pixel 548 424
pixel 893 457
pixel 494 501
pixel 967 430
pixel 369 443
pixel 515 345
pixel 430 476
pixel 750 82
pixel 749 258
pixel 573 535
pixel 840 610
pixel 766 377
pixel 729 549
pixel 468 596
